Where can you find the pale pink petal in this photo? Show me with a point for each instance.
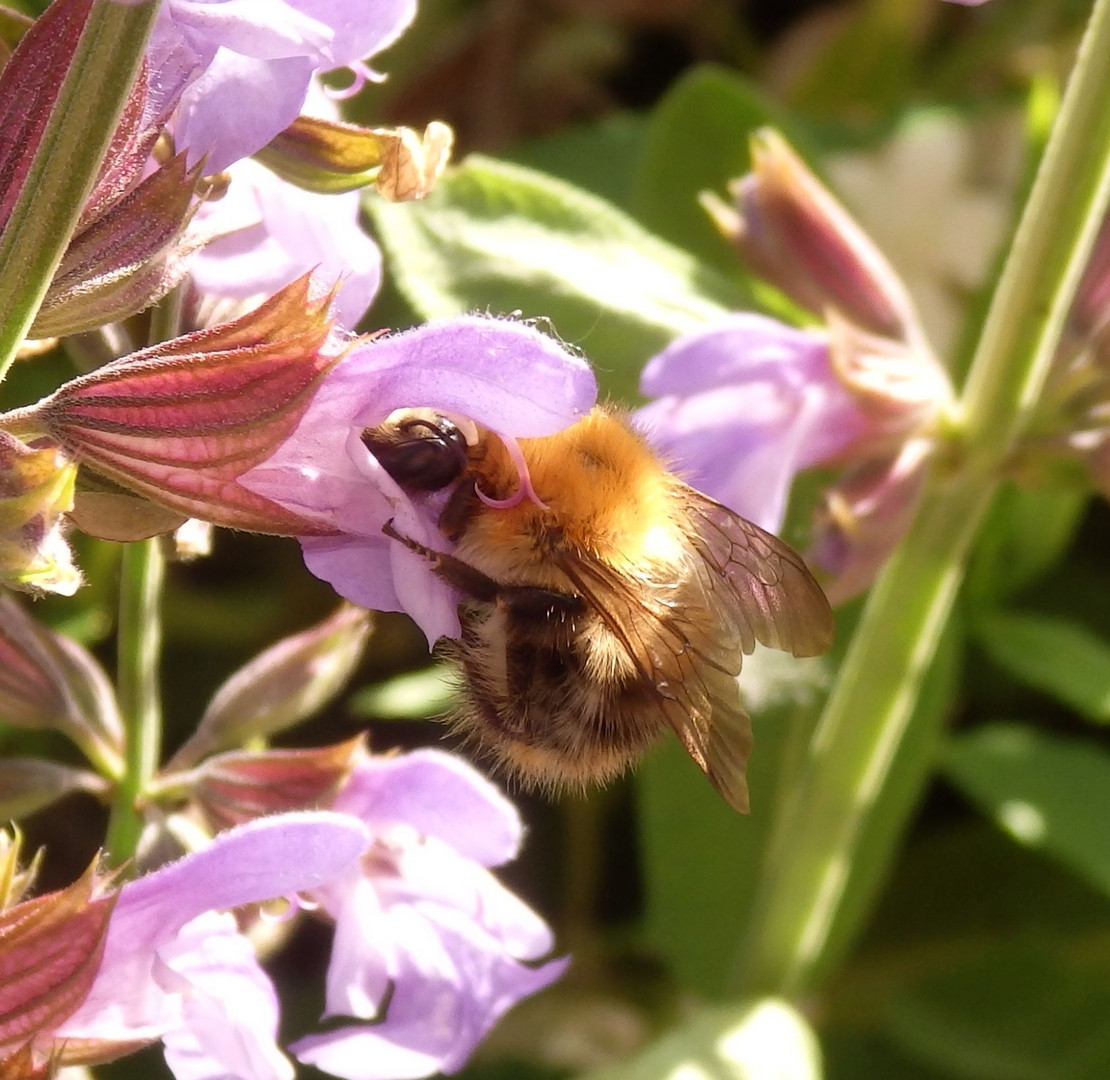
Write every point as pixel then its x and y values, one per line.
pixel 439 795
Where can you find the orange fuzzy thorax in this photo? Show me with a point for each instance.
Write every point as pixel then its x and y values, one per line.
pixel 605 492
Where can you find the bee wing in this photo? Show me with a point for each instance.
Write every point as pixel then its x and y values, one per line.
pixel 757 586
pixel 687 638
pixel 712 725
pixel 675 648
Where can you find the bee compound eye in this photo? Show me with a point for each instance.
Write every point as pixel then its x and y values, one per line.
pixel 420 454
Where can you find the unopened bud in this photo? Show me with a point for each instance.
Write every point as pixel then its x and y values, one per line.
pixel 231 789
pixel 328 156
pixel 49 682
pixel 30 784
pixel 281 686
pixel 792 231
pixel 50 951
pixel 125 259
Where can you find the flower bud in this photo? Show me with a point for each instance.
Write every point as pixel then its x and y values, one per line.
pixel 48 681
pixel 125 258
pixel 232 789
pixel 180 422
pixel 281 686
pixel 328 156
pixel 50 950
pixel 36 489
pixel 129 246
pixel 793 232
pixel 29 784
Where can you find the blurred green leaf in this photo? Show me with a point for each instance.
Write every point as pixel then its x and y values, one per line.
pixel 602 157
pixel 1025 534
pixel 700 858
pixel 1054 655
pixel 1047 792
pixel 869 58
pixel 855 1055
pixel 1015 1013
pixel 764 1040
pixel 501 238
pixel 698 141
pixel 416 695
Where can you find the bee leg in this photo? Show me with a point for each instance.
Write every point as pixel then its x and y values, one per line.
pixel 534 604
pixel 528 602
pixel 460 508
pixel 454 571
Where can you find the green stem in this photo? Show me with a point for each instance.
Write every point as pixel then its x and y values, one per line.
pixel 811 900
pixel 140 641
pixel 81 125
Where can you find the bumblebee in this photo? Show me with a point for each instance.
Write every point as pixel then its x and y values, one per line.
pixel 604 602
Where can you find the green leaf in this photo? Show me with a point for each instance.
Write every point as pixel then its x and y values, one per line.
pixel 1047 792
pixel 502 238
pixel 1011 1013
pixel 698 141
pixel 695 845
pixel 762 1039
pixel 601 157
pixel 1054 655
pixel 416 695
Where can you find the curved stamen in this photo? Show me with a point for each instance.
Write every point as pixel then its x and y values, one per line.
pixel 524 491
pixel 361 74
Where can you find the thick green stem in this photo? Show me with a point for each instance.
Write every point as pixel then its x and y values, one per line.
pixel 80 128
pixel 831 818
pixel 140 641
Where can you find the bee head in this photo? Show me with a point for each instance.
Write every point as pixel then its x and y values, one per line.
pixel 420 449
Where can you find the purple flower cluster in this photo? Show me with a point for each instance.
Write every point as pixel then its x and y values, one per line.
pixel 239 73
pixel 400 863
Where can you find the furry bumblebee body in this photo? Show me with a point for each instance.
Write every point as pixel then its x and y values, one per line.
pixel 615 604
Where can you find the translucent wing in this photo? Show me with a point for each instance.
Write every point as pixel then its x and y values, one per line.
pixel 687 636
pixel 759 587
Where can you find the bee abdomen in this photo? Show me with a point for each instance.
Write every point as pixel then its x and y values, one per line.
pixel 537 708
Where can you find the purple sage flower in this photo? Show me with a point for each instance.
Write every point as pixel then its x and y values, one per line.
pixel 240 69
pixel 503 375
pixel 743 406
pixel 269 233
pixel 424 918
pixel 173 969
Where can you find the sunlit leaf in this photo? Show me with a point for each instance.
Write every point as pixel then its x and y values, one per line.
pixel 764 1040
pixel 502 238
pixel 416 695
pixel 1047 792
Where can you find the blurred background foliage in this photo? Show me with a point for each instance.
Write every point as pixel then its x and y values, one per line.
pixel 593 125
